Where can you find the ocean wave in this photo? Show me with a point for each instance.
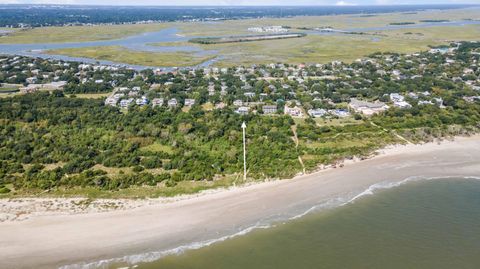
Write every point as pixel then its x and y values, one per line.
pixel 389 184
pixel 156 255
pixel 332 203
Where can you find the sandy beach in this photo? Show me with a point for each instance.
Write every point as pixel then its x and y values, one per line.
pixel 53 240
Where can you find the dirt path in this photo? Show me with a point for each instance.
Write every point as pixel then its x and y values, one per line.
pixel 395 133
pixel 295 139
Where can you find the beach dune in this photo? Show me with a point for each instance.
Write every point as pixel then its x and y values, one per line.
pixel 58 240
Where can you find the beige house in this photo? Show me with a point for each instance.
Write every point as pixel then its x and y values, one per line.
pixel 367 108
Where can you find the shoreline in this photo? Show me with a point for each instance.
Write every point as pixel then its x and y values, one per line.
pixel 22 208
pixel 47 241
pixel 13 209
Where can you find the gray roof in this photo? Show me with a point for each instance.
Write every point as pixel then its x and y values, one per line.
pixel 358 103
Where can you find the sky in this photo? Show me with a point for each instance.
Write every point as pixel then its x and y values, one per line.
pixel 240 2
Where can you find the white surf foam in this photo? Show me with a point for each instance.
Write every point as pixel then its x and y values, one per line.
pixel 156 255
pixel 336 202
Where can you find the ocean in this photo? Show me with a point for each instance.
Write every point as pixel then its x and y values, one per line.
pixel 420 224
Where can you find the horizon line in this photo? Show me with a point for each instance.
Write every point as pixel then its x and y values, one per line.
pixel 309 5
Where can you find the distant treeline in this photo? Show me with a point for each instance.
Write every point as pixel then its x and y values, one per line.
pixel 49 15
pixel 244 38
pixel 434 20
pixel 402 23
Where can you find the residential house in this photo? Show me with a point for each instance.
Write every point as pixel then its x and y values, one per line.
pixel 269 109
pixel 31 80
pixel 189 102
pixel 111 101
pixel 141 101
pixel 157 102
pixel 126 102
pixel 238 103
pixel 293 111
pixel 367 108
pixel 317 113
pixel 243 110
pixel 220 105
pixel 249 94
pixel 341 113
pixel 172 103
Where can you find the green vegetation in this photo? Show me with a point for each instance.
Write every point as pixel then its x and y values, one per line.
pixel 63 145
pixel 434 20
pixel 347 48
pixel 78 33
pixel 8 90
pixel 164 149
pixel 402 23
pixel 123 55
pixel 244 38
pixel 310 49
pixel 239 27
pixel 42 128
pixel 90 95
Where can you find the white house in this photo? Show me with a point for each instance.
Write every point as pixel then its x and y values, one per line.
pixel 293 111
pixel 189 102
pixel 238 103
pixel 141 101
pixel 172 102
pixel 111 101
pixel 126 102
pixel 157 102
pixel 317 113
pixel 367 108
pixel 243 110
pixel 269 109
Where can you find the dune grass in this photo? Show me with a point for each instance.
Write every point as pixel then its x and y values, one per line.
pixel 138 192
